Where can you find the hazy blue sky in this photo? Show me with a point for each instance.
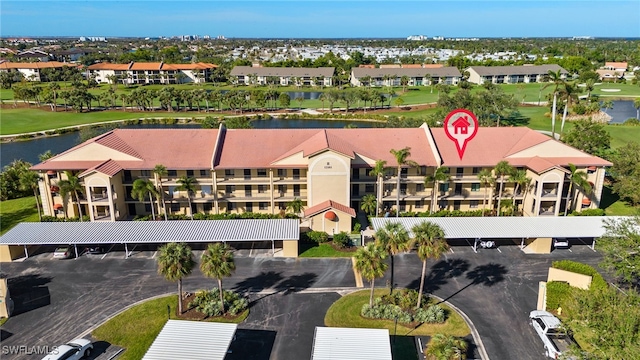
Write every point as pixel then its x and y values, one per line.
pixel 328 19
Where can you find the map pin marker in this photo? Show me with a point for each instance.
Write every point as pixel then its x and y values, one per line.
pixel 461 126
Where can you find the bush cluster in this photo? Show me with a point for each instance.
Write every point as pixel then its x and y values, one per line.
pixel 223 216
pixel 558 294
pixel 401 305
pixel 588 212
pixel 448 213
pixel 341 240
pixel 208 302
pixel 318 237
pixel 47 218
pixel 597 281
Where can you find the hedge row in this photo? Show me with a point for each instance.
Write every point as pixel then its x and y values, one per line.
pixel 597 281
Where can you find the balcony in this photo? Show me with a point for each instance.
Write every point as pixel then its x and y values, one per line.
pixel 549 193
pixel 548 211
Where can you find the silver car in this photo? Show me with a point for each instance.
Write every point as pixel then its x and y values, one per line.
pixel 73 350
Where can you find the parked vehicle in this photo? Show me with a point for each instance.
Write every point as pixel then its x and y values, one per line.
pixel 73 350
pixel 561 243
pixel 95 250
pixel 63 252
pixel 549 329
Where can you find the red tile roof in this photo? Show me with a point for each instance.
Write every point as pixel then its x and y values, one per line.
pixel 329 204
pixel 151 66
pixel 255 148
pixel 34 65
pixel 109 168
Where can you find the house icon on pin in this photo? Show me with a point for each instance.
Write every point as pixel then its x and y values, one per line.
pixel 461 125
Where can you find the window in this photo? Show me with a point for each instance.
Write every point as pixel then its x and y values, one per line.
pixel 282 173
pixel 247 174
pixel 231 206
pixel 172 173
pixel 296 174
pixel 263 206
pixel 444 187
pixel 147 207
pixel 206 207
pixel 282 206
pixel 355 190
pixel 145 173
pixel 473 204
pixel 443 204
pixel 296 190
pixel 419 187
pixel 282 189
pixel 172 189
pixel 247 190
pixel 229 189
pixel 476 170
pixel 456 204
pixel 419 204
pixel 262 189
pixel 262 172
pixel 249 207
pixel 422 170
pixel 369 188
pixel 204 173
pixel 206 189
pixel 175 207
pixel 355 174
pixel 459 172
pixel 475 187
pixel 228 173
pixel 403 206
pixel 189 173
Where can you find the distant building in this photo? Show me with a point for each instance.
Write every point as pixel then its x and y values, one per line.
pixel 153 73
pixel 392 76
pixel 283 76
pixel 32 71
pixel 512 74
pixel 416 37
pixel 617 66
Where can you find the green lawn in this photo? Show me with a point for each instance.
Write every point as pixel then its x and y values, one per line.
pixel 346 313
pixel 136 328
pixel 13 212
pixel 321 250
pixel 613 206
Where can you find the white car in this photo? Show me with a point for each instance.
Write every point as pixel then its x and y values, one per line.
pixel 63 252
pixel 73 350
pixel 561 243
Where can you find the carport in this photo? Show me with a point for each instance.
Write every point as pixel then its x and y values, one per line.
pixel 535 233
pixel 196 340
pixel 133 233
pixel 350 343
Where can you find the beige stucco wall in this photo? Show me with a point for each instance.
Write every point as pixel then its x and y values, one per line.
pixel 4 298
pixel 9 253
pixel 328 178
pixel 341 223
pixel 538 246
pixel 574 279
pixel 95 151
pixel 290 248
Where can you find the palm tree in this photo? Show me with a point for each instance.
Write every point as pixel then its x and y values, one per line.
pixel 393 238
pixel 569 92
pixel 636 104
pixel 446 347
pixel 378 172
pixel 486 178
pixel 159 171
pixel 29 181
pixel 370 263
pixel 175 262
pixel 501 170
pixel 404 81
pixel 431 244
pixel 556 81
pixel 217 262
pixel 71 185
pixel 369 204
pixel 295 206
pixel 607 104
pixel 589 86
pixel 401 156
pixel 187 184
pixel 579 179
pixel 142 188
pixel 427 77
pixel 441 174
pixel 521 181
pixel 54 87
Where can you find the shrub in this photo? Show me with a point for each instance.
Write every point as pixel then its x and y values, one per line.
pixel 588 212
pixel 434 314
pixel 356 228
pixel 597 281
pixel 315 236
pixel 558 294
pixel 47 218
pixel 341 239
pixel 632 122
pixel 384 308
pixel 208 302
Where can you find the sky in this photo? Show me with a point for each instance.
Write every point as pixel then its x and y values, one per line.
pixel 320 18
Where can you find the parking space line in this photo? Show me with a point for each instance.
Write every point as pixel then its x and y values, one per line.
pixel 154 256
pixel 451 250
pixel 569 250
pixel 500 251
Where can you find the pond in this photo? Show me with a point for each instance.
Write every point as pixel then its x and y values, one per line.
pixel 621 111
pixel 29 150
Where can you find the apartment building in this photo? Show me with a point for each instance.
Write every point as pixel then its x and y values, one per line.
pixel 418 76
pixel 32 71
pixel 262 170
pixel 246 75
pixel 513 74
pixel 152 73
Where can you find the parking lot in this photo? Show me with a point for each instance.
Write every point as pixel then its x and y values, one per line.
pixel 496 288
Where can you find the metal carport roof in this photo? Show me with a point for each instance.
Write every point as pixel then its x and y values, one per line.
pixel 194 340
pixel 352 344
pixel 132 232
pixel 510 227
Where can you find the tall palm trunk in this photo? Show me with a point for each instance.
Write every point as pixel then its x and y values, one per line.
pixel 79 205
pixel 153 213
pixel 190 208
pixel 553 116
pixel 434 199
pixel 221 295
pixel 371 295
pixel 424 271
pixel 180 296
pixel 398 196
pixel 564 117
pixel 379 204
pixel 392 268
pixel 500 195
pixel 484 199
pixel 513 204
pixel 35 193
pixel 569 198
